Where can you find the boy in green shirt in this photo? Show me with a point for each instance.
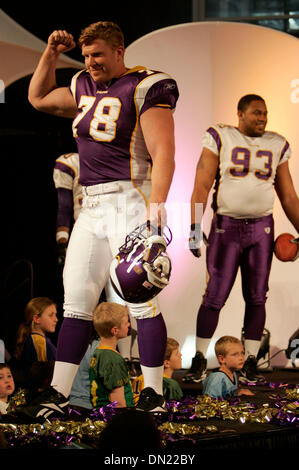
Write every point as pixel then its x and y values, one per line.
pixel 108 372
pixel 172 362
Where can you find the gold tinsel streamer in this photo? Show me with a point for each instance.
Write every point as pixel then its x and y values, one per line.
pixel 208 407
pixel 87 428
pixel 186 429
pixel 19 398
pixel 205 407
pixel 292 394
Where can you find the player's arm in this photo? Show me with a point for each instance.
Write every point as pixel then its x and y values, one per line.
pixel 43 93
pixel 118 394
pixel 64 212
pixel 205 175
pixel 158 130
pixel 287 194
pixel 204 178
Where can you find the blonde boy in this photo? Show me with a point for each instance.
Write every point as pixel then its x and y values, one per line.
pixel 172 362
pixel 224 383
pixel 108 372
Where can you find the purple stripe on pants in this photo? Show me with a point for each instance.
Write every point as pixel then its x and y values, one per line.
pixel 234 243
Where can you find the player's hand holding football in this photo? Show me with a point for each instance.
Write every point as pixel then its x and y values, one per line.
pixel 61 41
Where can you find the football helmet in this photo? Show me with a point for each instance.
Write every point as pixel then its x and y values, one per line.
pixel 141 268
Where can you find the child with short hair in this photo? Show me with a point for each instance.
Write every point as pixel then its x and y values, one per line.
pixel 172 362
pixel 224 382
pixel 108 372
pixel 7 387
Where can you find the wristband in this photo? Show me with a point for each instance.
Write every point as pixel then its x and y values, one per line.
pixel 62 234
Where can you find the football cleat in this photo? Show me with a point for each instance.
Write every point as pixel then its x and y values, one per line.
pixel 45 405
pixel 197 371
pixel 151 401
pixel 249 374
pixel 142 268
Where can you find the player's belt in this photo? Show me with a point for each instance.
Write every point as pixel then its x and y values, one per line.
pixel 252 220
pixel 101 188
pixel 112 187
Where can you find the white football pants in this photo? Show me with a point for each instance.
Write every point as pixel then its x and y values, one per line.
pixel 110 211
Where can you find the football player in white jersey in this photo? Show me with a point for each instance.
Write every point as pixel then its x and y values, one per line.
pixel 69 198
pixel 246 163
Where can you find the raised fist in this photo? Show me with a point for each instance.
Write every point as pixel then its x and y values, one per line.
pixel 61 41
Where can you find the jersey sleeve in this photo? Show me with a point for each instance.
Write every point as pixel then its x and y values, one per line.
pixel 285 153
pixel 162 94
pixel 39 343
pixel 211 140
pixel 73 86
pixel 63 174
pixel 156 90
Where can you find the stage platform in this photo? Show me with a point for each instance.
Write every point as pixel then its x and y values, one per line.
pixel 255 430
pixel 264 425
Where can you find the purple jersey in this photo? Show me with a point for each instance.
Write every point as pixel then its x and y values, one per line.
pixel 107 127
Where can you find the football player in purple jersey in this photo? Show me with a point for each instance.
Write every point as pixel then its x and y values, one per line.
pixel 246 163
pixel 124 128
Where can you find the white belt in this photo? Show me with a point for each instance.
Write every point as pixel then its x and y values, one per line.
pixel 101 188
pixel 112 187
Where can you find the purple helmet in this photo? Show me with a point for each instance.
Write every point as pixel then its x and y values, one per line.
pixel 141 268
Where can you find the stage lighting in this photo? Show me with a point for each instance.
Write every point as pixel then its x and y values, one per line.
pixel 292 351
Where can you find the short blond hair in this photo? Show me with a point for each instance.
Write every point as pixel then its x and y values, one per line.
pixel 106 316
pixel 222 345
pixel 106 30
pixel 171 345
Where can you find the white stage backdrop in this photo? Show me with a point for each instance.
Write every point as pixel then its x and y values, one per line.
pixel 215 64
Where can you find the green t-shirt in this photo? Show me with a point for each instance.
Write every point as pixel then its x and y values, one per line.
pixel 108 370
pixel 171 389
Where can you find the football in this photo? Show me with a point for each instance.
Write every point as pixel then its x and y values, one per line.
pixel 283 248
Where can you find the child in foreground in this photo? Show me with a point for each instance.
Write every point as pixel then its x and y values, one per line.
pixel 7 387
pixel 172 362
pixel 224 383
pixel 32 342
pixel 108 372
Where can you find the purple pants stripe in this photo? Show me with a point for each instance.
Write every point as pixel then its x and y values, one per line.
pixel 151 335
pixel 237 243
pixel 73 340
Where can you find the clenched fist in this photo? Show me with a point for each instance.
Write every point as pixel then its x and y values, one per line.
pixel 61 41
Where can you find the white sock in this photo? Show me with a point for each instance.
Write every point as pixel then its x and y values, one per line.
pixel 153 377
pixel 202 345
pixel 63 377
pixel 251 347
pixel 124 347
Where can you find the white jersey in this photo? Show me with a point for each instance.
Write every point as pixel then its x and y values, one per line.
pixel 66 175
pixel 247 168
